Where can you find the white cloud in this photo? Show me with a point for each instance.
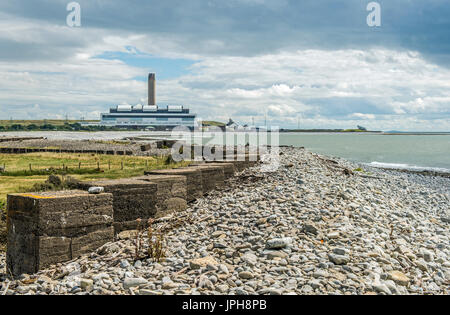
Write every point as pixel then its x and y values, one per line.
pixel 363 116
pixel 379 88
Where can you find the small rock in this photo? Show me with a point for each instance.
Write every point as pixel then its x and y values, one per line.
pixel 398 277
pixel 339 259
pixel 250 258
pixel 421 264
pixel 96 190
pixel 276 254
pixel 149 292
pixel 271 291
pixel 246 275
pixel 445 219
pixel 223 269
pixel 86 284
pixel 333 235
pixel 278 243
pixel 169 285
pixel 202 262
pixel 340 251
pixel 133 282
pixel 320 273
pixel 310 228
pixel 315 284
pixel 261 221
pixel 124 264
pixel 427 255
pixel 382 288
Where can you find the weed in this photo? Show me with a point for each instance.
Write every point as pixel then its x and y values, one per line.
pixel 155 246
pixel 155 243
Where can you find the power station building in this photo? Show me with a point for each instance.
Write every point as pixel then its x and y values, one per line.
pixel 151 115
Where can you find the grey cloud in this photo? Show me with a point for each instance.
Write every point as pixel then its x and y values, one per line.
pixel 247 28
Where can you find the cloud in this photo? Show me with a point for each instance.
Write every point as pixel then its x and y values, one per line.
pixel 363 116
pixel 313 61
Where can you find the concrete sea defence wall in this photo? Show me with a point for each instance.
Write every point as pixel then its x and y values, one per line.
pixel 55 227
pixel 47 228
pixel 132 200
pixel 194 182
pixel 212 176
pixel 171 194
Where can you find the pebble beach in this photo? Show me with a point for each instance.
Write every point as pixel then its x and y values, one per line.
pixel 316 226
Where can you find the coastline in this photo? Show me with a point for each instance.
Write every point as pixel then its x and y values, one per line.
pixel 421 173
pixel 308 228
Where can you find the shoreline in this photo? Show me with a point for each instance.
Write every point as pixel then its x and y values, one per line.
pixel 133 142
pixel 308 228
pixel 421 173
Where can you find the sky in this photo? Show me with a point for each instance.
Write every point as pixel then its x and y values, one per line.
pixel 311 63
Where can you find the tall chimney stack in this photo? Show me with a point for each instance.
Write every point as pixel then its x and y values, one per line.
pixel 152 89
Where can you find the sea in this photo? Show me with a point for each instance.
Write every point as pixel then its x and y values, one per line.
pixel 397 151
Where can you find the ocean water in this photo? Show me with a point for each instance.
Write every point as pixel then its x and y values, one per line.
pixel 417 152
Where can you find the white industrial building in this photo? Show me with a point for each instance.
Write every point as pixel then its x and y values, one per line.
pixel 151 115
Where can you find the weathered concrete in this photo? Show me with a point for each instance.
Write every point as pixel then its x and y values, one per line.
pixel 239 166
pixel 132 200
pixel 213 176
pixel 194 181
pixel 228 168
pixel 171 193
pixel 45 228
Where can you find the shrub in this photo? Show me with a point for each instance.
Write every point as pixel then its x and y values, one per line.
pixel 54 183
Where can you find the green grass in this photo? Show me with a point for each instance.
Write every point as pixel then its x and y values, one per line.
pixel 18 178
pixel 354 130
pixel 213 123
pixel 42 122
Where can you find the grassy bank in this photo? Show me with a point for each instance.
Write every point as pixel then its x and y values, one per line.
pixel 53 125
pixel 20 177
pixel 22 171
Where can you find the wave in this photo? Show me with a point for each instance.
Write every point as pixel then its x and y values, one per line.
pixel 399 166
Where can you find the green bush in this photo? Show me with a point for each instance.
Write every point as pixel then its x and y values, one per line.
pixel 55 183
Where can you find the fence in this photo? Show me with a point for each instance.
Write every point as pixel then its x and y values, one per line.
pixel 36 150
pixel 74 167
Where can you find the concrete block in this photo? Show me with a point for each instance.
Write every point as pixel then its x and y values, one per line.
pixel 194 181
pixel 171 193
pixel 41 227
pixel 213 176
pixel 228 168
pixel 91 241
pixel 239 166
pixel 132 199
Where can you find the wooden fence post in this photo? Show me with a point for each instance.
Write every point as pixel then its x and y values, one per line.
pixel 31 168
pixel 79 165
pixel 98 165
pixel 109 165
pixel 121 166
